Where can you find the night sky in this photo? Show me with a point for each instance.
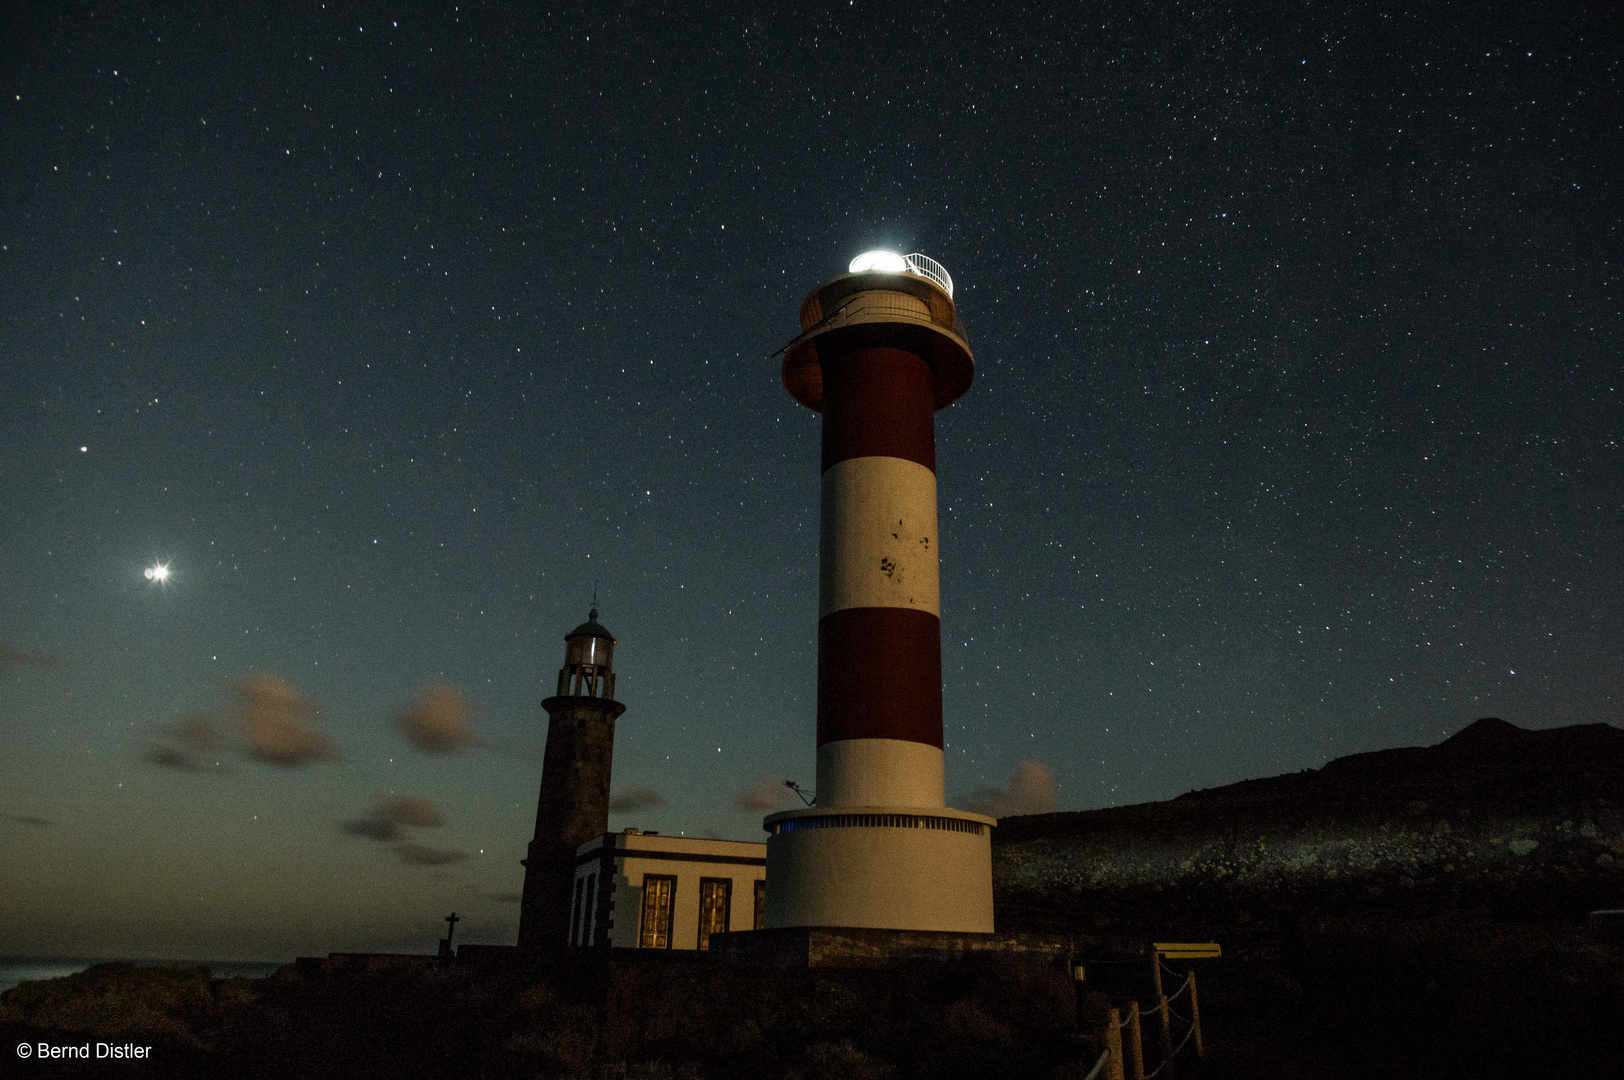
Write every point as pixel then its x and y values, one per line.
pixel 394 331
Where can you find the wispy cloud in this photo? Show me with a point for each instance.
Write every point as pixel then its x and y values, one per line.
pixel 767 796
pixel 386 819
pixel 192 742
pixel 637 798
pixel 275 722
pixel 1031 791
pixel 196 731
pixel 167 757
pixel 372 829
pixel 418 855
pixel 438 720
pixel 29 819
pixel 15 656
pixel 413 810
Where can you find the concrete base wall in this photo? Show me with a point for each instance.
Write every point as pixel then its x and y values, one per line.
pixel 879 877
pixel 836 947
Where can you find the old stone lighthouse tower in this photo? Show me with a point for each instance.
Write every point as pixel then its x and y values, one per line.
pixel 574 803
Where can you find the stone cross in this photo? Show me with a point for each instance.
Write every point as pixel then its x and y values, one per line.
pixel 451 927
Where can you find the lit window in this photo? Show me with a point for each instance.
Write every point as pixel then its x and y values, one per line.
pixel 658 890
pixel 715 897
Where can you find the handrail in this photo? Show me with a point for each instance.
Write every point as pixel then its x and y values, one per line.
pixel 1163 1008
pixel 927 267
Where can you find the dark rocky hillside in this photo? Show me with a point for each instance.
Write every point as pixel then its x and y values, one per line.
pixel 1496 820
pixel 1410 912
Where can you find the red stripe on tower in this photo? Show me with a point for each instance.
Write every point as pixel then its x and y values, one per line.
pixel 880 675
pixel 878 402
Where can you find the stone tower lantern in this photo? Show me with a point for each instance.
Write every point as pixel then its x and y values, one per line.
pixel 574 803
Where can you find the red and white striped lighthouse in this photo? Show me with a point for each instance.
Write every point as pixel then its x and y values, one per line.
pixel 881 350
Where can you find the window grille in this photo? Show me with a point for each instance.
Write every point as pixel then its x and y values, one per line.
pixel 659 890
pixel 878 821
pixel 715 898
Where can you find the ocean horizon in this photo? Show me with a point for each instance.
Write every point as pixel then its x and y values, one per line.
pixel 20 969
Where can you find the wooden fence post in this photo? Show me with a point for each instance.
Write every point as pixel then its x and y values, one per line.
pixel 1113 1046
pixel 1195 1018
pixel 1166 1065
pixel 1136 1044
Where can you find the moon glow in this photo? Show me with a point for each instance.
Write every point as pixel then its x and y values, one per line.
pixel 158 572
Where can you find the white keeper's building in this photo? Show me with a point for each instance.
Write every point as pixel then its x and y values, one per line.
pixel 641 890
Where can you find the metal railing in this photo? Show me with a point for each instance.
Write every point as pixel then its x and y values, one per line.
pixel 927 267
pixel 876 821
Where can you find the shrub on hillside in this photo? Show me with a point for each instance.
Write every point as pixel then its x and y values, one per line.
pixel 115 1001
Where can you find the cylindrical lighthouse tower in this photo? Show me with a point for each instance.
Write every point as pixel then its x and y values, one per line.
pixel 574 803
pixel 881 350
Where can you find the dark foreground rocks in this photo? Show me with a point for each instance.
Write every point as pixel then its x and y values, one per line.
pixel 623 1018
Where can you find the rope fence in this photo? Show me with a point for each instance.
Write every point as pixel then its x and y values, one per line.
pixel 1188 1035
pixel 1124 1033
pixel 1168 1060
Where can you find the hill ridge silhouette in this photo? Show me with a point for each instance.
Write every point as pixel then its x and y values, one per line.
pixel 1488 762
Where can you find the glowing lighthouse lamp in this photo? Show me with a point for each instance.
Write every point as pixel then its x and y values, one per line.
pixel 881 350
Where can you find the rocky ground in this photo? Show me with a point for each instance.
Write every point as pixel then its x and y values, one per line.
pixel 631 1019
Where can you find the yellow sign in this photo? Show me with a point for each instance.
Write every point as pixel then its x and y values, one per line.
pixel 1189 950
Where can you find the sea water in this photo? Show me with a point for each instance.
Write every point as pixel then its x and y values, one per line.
pixel 16 969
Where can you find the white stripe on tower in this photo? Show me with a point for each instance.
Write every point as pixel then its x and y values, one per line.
pixel 878 545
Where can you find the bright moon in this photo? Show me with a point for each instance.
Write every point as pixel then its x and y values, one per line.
pixel 156 573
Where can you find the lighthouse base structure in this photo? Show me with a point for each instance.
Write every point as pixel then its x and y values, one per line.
pixel 880 867
pixel 850 947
